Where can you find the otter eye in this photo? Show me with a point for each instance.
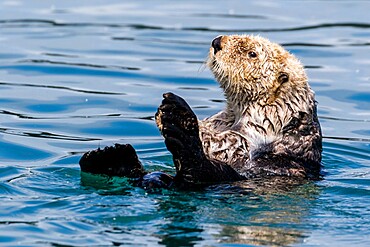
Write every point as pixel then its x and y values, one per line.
pixel 283 78
pixel 252 54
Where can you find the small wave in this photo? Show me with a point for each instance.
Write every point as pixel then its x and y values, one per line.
pixel 109 115
pixel 288 29
pixel 13 84
pixel 77 64
pixel 345 119
pixel 347 138
pixel 44 134
pixel 166 41
pixel 306 44
pixel 346 151
pixel 11 222
pixel 32 22
pixel 65 70
pixel 234 16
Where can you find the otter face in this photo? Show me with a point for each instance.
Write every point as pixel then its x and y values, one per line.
pixel 251 68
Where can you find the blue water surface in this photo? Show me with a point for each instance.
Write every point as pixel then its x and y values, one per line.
pixel 77 75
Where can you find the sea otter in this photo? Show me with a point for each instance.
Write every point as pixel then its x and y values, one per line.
pixel 268 128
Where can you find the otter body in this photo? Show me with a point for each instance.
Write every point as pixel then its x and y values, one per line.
pixel 270 108
pixel 268 128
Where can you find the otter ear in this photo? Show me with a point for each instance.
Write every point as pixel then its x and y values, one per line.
pixel 283 77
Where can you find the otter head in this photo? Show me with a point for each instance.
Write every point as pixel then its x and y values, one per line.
pixel 253 69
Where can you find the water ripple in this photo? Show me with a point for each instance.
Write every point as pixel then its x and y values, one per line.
pixel 236 16
pixel 89 65
pixel 43 134
pixel 16 84
pixel 22 23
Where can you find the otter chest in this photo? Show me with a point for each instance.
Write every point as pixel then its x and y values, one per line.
pixel 230 143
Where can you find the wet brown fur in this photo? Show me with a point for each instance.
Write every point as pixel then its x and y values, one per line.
pixel 270 109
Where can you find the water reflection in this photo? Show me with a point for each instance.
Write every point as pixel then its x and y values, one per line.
pixel 270 212
pixel 282 205
pixel 251 212
pixel 180 226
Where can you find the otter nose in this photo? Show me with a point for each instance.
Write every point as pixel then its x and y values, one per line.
pixel 216 44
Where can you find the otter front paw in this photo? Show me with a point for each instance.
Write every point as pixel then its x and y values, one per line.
pixel 176 112
pixel 118 160
pixel 178 125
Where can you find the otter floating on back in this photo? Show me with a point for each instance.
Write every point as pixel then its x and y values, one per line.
pixel 268 128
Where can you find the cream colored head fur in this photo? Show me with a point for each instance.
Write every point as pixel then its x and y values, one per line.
pixel 251 68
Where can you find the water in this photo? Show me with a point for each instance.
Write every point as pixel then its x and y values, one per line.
pixel 78 75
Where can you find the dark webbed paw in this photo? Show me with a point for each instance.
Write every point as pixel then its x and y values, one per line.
pixel 179 126
pixel 174 114
pixel 118 160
